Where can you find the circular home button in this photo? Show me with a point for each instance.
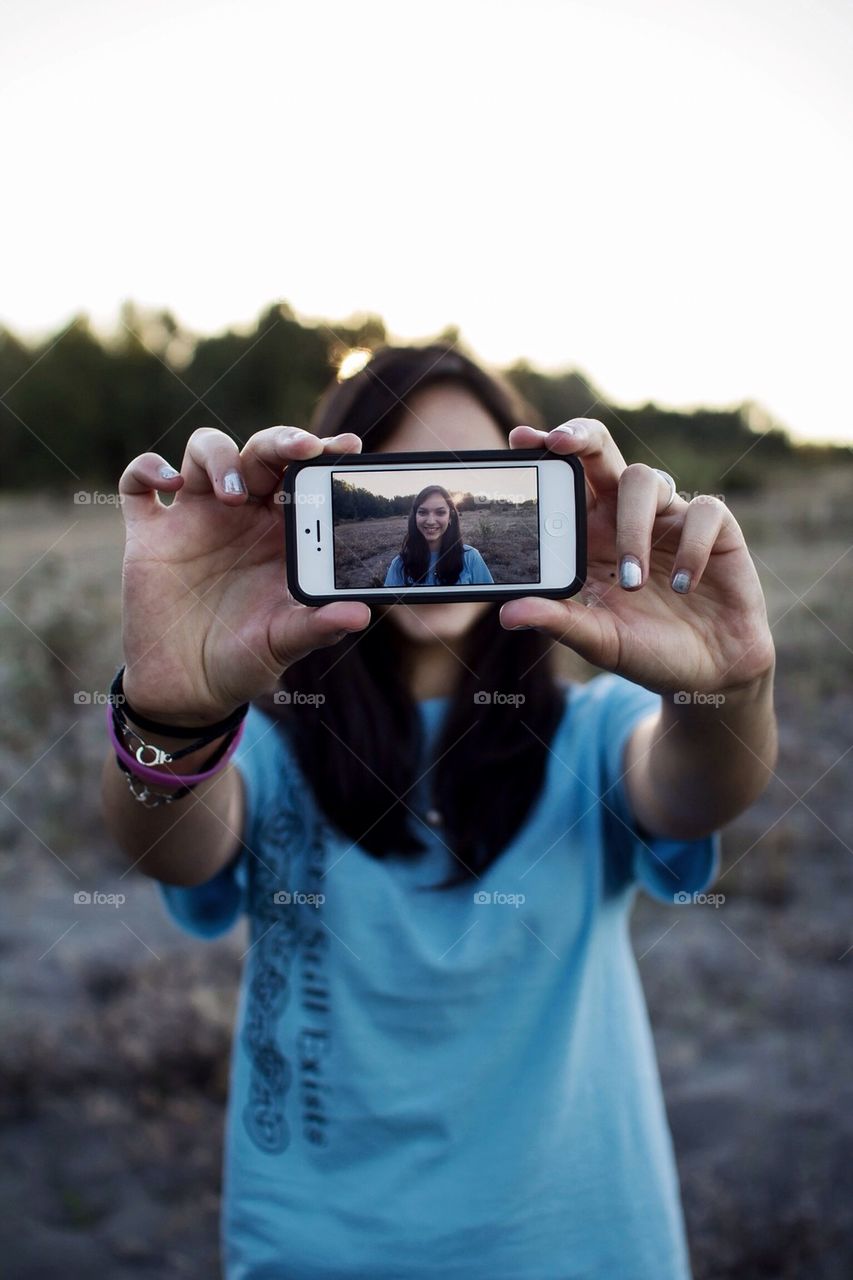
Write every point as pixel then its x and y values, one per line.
pixel 558 524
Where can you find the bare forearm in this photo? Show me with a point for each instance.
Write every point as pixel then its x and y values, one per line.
pixel 700 763
pixel 185 842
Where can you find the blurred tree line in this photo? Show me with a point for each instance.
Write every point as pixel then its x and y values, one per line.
pixel 76 408
pixel 352 502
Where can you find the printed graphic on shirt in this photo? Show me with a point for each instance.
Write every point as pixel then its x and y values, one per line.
pixel 315 999
pixel 284 921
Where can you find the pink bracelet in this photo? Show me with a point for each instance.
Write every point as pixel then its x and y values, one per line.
pixel 147 774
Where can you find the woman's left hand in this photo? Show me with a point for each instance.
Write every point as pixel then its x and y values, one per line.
pixel 713 635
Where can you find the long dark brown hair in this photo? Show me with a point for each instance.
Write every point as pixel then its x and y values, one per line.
pixel 359 747
pixel 414 552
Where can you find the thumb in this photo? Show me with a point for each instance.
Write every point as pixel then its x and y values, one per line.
pixel 589 632
pixel 295 630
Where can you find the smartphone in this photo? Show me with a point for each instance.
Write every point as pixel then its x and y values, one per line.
pixel 434 527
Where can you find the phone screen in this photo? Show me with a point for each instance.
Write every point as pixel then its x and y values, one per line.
pixel 436 528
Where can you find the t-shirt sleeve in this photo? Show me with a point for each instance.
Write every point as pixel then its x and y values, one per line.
pixel 210 909
pixel 478 567
pixel 394 576
pixel 665 868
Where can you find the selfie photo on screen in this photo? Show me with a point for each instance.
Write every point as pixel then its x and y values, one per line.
pixel 436 527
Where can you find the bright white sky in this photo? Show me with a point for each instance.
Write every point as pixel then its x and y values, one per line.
pixel 516 484
pixel 658 193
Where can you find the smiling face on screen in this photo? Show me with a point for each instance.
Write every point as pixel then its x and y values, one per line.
pixel 432 518
pixel 441 416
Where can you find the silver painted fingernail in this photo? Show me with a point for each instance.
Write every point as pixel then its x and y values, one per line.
pixel 630 572
pixel 681 581
pixel 232 482
pixel 168 473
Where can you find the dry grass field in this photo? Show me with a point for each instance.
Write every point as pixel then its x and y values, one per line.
pixel 507 541
pixel 115 1027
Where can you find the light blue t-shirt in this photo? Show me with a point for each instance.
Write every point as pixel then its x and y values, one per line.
pixel 460 1084
pixel 474 570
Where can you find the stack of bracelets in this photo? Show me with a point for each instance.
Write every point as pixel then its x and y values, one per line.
pixel 138 764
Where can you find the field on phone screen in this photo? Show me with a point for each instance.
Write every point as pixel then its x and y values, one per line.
pixel 507 539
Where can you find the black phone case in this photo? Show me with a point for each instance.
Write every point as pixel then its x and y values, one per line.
pixel 410 594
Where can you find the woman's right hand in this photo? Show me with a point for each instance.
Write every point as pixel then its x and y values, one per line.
pixel 208 622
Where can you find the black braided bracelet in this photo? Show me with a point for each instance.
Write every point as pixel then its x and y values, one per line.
pixel 200 736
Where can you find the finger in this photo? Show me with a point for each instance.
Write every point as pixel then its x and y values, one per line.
pixel 567 621
pixel 211 464
pixel 141 479
pixel 643 494
pixel 703 520
pixel 295 630
pixel 589 440
pixel 266 454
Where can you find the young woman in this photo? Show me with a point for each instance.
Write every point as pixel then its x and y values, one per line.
pixel 442 1064
pixel 433 553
